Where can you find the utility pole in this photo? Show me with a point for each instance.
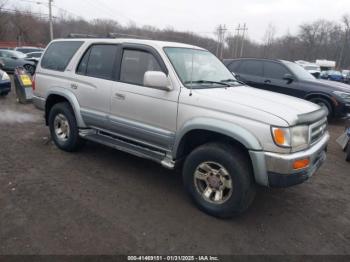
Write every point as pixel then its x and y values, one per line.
pixel 50 19
pixel 244 29
pixel 236 39
pixel 221 30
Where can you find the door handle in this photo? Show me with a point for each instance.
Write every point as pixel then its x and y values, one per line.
pixel 267 81
pixel 119 96
pixel 74 86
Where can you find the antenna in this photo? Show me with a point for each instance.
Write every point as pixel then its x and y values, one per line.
pixel 191 81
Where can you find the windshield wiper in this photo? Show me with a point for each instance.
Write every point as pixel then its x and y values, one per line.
pixel 207 82
pixel 232 80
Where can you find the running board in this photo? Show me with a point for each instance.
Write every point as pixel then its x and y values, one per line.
pixel 128 147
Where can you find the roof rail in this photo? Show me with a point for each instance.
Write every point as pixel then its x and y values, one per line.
pixel 120 35
pixel 74 35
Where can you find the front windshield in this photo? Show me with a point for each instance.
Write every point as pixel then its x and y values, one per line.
pixel 299 71
pixel 199 68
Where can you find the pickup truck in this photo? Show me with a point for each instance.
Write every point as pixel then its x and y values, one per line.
pixel 178 105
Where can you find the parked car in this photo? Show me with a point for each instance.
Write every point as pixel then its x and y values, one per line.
pixel 291 79
pixel 312 68
pixel 34 56
pixel 178 105
pixel 5 83
pixel 346 76
pixel 28 49
pixel 332 75
pixel 13 59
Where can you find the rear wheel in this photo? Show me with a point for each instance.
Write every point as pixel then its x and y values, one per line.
pixel 63 127
pixel 348 153
pixel 219 179
pixel 30 69
pixel 4 94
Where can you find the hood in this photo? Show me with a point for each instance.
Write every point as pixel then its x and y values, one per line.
pixel 285 107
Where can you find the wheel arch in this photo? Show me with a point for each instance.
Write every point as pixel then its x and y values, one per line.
pixel 58 96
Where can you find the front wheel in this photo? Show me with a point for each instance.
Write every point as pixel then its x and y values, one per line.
pixel 219 179
pixel 324 104
pixel 63 127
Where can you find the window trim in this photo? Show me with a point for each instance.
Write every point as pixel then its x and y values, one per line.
pixel 61 41
pixel 141 48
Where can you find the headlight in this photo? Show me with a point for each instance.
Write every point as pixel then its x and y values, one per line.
pixel 5 76
pixel 296 136
pixel 344 95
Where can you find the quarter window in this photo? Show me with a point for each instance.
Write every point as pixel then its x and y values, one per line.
pixel 135 63
pixel 59 54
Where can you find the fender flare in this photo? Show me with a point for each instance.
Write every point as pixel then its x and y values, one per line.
pixel 232 130
pixel 68 95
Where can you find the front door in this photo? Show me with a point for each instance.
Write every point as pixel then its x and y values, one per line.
pixel 140 113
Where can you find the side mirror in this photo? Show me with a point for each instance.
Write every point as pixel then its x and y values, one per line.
pixel 288 77
pixel 157 80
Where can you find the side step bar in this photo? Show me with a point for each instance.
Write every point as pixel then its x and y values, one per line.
pixel 128 147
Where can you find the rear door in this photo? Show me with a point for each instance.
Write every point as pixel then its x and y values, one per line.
pixel 251 73
pixel 93 82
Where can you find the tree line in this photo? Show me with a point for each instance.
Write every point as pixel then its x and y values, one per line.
pixel 321 39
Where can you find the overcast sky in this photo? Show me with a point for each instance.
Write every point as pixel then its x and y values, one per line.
pixel 203 16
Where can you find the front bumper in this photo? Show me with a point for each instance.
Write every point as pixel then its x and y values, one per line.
pixel 276 170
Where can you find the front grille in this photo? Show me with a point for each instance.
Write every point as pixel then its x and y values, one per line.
pixel 317 131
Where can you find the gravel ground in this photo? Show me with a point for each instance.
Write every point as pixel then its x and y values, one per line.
pixel 101 201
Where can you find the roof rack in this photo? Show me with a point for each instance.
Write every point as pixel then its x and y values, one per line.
pixel 74 35
pixel 109 35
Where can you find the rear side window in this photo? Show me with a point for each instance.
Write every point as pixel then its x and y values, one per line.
pixel 98 61
pixel 59 54
pixel 274 70
pixel 252 67
pixel 135 64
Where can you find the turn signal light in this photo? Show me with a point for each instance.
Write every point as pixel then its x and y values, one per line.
pixel 279 136
pixel 301 163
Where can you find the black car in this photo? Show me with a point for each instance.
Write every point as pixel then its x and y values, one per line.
pixel 5 83
pixel 291 79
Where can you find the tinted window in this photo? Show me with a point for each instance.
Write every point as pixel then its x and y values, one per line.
pixel 274 70
pixel 233 66
pixel 58 55
pixel 251 68
pixel 101 60
pixel 134 65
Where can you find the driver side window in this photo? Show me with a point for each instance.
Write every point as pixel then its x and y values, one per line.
pixel 135 63
pixel 274 70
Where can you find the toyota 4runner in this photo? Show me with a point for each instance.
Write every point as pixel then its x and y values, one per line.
pixel 180 106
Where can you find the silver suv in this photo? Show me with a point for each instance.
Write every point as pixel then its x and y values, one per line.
pixel 178 105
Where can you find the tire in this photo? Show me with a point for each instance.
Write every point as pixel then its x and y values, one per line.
pixel 323 103
pixel 347 158
pixel 63 128
pixel 238 174
pixel 29 68
pixel 4 94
